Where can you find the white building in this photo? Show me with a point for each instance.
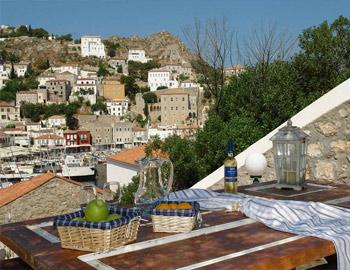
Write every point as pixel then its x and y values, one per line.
pixel 3 74
pixel 19 137
pixel 188 84
pixel 86 88
pixel 117 107
pixel 49 141
pixel 92 46
pixel 140 135
pixel 56 121
pixel 88 74
pixel 138 56
pixel 69 67
pixel 86 84
pixel 161 77
pixel 19 68
pixel 123 166
pixel 161 132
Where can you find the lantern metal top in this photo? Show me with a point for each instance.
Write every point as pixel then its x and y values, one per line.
pixel 289 133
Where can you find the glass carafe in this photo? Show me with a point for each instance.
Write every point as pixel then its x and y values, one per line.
pixel 156 180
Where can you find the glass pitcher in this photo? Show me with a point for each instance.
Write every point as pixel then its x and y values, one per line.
pixel 156 180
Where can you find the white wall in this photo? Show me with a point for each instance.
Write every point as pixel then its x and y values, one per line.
pixel 120 172
pixel 324 104
pixel 92 46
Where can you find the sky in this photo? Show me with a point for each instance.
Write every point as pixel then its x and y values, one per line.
pixel 144 17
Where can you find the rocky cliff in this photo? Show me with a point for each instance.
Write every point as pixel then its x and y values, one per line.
pixel 162 46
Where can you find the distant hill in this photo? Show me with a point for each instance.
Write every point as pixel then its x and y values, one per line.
pixel 162 46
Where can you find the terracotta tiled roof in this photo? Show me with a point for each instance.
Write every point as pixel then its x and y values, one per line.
pixel 130 156
pixel 58 81
pixel 57 116
pixel 5 104
pixel 27 92
pixel 118 58
pixel 49 137
pixel 138 129
pixel 159 70
pixel 15 191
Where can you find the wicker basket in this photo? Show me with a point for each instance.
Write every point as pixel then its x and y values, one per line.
pixel 175 221
pixel 85 236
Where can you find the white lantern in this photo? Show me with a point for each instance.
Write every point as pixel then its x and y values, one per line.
pixel 289 149
pixel 255 164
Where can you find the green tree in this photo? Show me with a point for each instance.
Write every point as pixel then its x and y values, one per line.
pixel 182 154
pixel 22 30
pixel 40 33
pixel 120 69
pixel 67 37
pixel 162 87
pixel 131 88
pixel 71 122
pixel 12 57
pixel 102 70
pixel 13 74
pixel 30 31
pixel 99 106
pixel 150 97
pixel 139 70
pixel 324 56
pixel 128 191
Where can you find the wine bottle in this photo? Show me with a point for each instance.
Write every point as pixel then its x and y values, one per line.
pixel 230 167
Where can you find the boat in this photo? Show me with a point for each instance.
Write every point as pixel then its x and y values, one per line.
pixel 77 168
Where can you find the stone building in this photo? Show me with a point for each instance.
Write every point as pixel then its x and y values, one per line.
pixel 42 95
pixel 30 96
pixel 67 76
pixel 43 196
pixel 58 90
pixel 111 88
pixel 8 112
pixel 178 106
pixel 101 130
pixel 122 134
pixel 118 61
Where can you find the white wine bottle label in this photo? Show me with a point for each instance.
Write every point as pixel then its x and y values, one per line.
pixel 230 173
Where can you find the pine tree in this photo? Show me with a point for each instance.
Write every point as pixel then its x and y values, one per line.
pixel 30 31
pixel 13 74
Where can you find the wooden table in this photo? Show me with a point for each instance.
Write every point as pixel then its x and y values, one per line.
pixel 247 245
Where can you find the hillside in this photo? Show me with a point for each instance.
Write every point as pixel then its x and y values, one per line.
pixel 162 46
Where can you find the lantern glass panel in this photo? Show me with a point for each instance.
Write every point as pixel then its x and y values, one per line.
pixel 289 145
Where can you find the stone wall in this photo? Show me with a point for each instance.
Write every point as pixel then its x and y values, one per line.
pixel 52 198
pixel 328 150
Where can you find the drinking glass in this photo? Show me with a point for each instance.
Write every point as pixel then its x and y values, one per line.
pixel 87 193
pixel 112 193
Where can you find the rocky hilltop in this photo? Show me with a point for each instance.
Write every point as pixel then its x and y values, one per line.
pixel 163 47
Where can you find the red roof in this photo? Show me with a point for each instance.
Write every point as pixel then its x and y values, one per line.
pixel 129 156
pixel 16 191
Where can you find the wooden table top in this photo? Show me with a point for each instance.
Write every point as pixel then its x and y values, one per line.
pixel 249 245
